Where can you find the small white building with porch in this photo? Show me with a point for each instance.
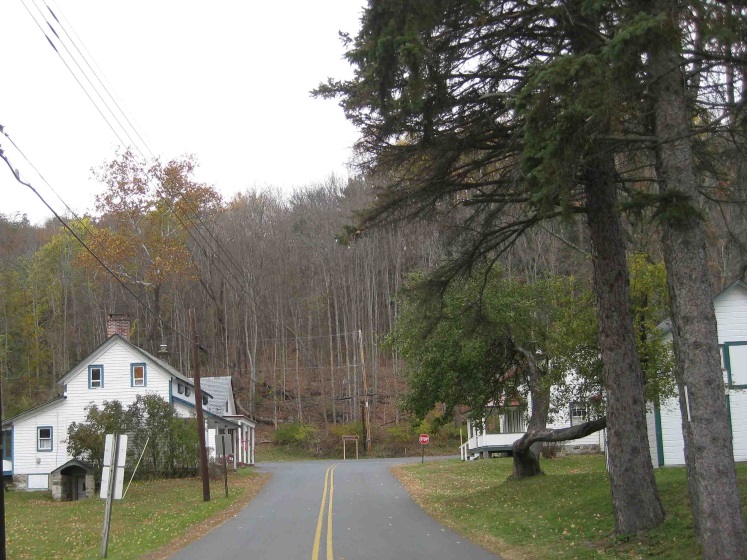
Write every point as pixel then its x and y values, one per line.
pixel 239 443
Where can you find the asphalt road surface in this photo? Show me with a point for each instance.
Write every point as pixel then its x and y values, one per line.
pixel 325 510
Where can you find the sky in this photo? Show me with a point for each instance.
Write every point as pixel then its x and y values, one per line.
pixel 226 81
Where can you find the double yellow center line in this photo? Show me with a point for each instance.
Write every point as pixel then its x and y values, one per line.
pixel 329 486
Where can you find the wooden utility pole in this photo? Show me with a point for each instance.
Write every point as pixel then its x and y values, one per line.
pixel 225 463
pixel 204 474
pixel 366 408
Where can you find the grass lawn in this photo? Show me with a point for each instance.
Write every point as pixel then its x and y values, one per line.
pixel 152 520
pixel 564 515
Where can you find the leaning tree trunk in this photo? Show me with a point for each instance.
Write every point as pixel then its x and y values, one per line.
pixel 526 454
pixel 635 498
pixel 709 455
pixel 526 458
pixel 525 464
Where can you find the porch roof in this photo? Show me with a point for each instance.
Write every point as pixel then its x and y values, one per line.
pixel 88 467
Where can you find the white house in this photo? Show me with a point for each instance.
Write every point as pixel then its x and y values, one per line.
pixel 665 421
pixel 34 442
pixel 501 427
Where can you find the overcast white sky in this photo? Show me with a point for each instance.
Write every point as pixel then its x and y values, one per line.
pixel 227 81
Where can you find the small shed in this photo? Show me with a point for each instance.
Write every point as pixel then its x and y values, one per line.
pixel 72 481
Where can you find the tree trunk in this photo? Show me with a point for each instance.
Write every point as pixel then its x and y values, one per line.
pixel 526 463
pixel 711 474
pixel 526 458
pixel 635 498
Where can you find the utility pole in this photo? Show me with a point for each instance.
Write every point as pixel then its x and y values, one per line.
pixel 204 474
pixel 366 408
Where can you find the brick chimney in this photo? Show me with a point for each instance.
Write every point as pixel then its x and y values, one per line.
pixel 118 323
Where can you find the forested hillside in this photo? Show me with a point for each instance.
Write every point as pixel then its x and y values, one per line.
pixel 290 300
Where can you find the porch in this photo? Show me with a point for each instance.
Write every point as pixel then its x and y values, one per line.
pixel 496 433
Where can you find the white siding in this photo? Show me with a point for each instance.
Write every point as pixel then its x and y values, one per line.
pixel 116 360
pixel 731 314
pixel 562 420
pixel 671 432
pixel 738 407
pixel 738 363
pixel 183 410
pixel 26 459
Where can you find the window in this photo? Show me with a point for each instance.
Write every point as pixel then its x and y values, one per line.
pixel 7 445
pixel 95 377
pixel 735 362
pixel 578 413
pixel 180 388
pixel 138 375
pixel 44 438
pixel 187 391
pixel 514 421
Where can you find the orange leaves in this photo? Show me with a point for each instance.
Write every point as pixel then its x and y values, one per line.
pixel 150 209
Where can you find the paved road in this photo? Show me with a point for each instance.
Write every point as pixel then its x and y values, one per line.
pixel 372 518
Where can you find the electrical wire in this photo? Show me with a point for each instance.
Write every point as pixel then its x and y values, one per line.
pixel 221 265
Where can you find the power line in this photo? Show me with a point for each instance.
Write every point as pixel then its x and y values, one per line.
pixel 93 70
pixel 71 70
pixel 221 264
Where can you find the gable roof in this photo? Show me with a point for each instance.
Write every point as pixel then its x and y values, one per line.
pixel 731 287
pixel 88 467
pixel 220 389
pixel 39 408
pixel 108 343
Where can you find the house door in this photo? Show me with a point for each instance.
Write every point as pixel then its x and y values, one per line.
pixel 79 487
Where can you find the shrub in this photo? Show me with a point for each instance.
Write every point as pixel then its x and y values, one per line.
pixel 172 448
pixel 296 434
pixel 550 449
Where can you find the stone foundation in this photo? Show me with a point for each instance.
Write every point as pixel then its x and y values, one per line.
pixel 580 449
pixel 21 482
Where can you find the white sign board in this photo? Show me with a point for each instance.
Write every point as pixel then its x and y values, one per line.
pixel 119 466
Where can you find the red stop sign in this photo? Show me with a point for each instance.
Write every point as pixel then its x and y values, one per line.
pixel 424 438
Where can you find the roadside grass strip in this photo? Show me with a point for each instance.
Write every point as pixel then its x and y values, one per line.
pixel 156 518
pixel 566 514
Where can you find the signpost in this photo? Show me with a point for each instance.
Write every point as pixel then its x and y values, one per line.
pixel 346 439
pixel 424 439
pixel 112 479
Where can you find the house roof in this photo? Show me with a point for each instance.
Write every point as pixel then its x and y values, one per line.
pixel 220 388
pixel 147 355
pixel 88 467
pixel 49 404
pixel 207 412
